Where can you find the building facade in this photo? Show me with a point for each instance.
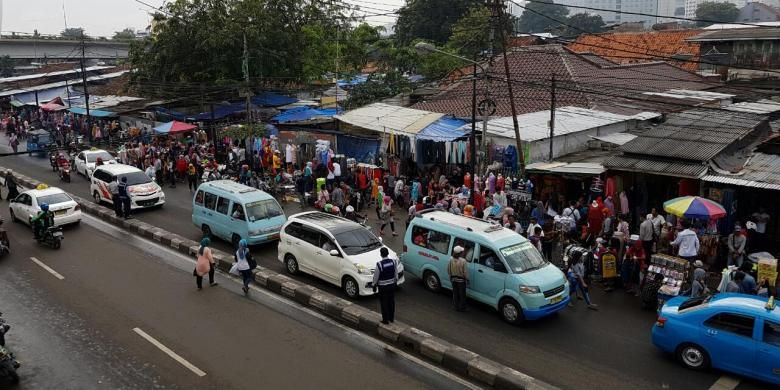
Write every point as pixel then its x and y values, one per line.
pixel 649 7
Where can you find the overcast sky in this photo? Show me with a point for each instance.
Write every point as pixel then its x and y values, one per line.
pixel 104 17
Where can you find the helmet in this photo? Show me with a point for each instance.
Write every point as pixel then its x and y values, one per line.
pixel 45 206
pixel 350 209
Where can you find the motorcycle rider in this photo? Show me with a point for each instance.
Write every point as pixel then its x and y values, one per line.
pixel 63 164
pixel 42 221
pixel 353 216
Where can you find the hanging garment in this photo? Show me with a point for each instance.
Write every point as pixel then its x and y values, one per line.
pixel 624 203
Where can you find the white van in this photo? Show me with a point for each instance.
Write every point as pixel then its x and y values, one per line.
pixel 143 191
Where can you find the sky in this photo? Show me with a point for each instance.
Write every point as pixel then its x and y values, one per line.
pixel 104 17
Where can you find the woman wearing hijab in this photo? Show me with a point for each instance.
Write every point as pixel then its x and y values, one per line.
pixel 386 215
pixel 539 213
pixel 243 259
pixel 379 199
pixel 205 264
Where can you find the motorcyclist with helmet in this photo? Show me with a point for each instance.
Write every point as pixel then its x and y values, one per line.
pixel 353 216
pixel 42 221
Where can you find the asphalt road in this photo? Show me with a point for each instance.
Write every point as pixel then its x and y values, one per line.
pixel 577 348
pixel 82 331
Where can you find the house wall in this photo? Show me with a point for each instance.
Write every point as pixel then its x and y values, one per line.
pixel 757 12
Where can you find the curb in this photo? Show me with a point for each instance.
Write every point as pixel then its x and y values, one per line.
pixel 431 348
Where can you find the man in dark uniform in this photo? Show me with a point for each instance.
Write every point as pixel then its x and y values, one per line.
pixel 385 280
pixel 124 197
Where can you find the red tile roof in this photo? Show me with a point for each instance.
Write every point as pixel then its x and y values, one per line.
pixel 644 46
pixel 581 81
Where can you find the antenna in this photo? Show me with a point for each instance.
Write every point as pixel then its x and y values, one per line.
pixel 64 15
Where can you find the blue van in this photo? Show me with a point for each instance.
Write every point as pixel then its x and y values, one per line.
pixel 38 141
pixel 232 211
pixel 505 270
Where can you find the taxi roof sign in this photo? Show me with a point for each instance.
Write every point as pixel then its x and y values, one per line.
pixel 770 304
pixel 41 186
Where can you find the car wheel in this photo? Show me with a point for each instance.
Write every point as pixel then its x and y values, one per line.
pixel 351 287
pixel 693 357
pixel 510 311
pixel 291 264
pixel 235 239
pixel 206 230
pixel 431 281
pixel 13 217
pixel 96 196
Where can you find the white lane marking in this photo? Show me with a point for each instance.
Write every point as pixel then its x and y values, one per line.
pixel 47 268
pixel 725 383
pixel 169 352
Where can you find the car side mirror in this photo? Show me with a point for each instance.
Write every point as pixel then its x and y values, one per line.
pixel 499 267
pixel 380 239
pixel 334 252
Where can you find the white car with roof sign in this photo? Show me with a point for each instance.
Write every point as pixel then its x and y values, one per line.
pixel 27 205
pixel 143 191
pixel 86 160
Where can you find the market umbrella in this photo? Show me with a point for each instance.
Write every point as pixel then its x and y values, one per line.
pixel 694 207
pixel 174 127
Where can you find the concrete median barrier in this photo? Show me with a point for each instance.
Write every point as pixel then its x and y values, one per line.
pixel 455 359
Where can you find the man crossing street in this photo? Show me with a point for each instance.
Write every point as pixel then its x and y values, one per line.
pixel 459 278
pixel 113 188
pixel 385 280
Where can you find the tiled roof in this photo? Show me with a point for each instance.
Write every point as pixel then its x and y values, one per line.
pixel 580 82
pixel 644 46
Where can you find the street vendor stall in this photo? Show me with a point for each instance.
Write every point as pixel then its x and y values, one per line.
pixel 703 211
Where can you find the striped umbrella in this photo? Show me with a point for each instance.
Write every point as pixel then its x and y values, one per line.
pixel 694 207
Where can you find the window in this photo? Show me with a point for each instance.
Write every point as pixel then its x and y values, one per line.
pixel 326 243
pixel 523 257
pixel 468 248
pixel 311 236
pixel 134 178
pixel 105 156
pixel 487 257
pixel 355 242
pixel 237 212
pixel 81 156
pixel 772 333
pixel 293 229
pixel 24 199
pixel 199 198
pixel 102 176
pixel 438 241
pixel 210 200
pixel 263 209
pixel 420 236
pixel 222 205
pixel 54 198
pixel 732 323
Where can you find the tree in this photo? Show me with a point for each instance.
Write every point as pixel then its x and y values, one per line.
pixel 430 20
pixel 124 35
pixel 715 12
pixel 542 16
pixel 584 23
pixel 73 33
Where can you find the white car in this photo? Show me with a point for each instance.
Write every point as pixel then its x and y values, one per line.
pixel 143 191
pixel 86 160
pixel 334 249
pixel 27 205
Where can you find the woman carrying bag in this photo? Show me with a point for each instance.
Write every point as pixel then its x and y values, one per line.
pixel 244 264
pixel 205 264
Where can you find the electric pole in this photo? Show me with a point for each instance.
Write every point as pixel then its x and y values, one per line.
pixel 86 91
pixel 245 68
pixel 552 115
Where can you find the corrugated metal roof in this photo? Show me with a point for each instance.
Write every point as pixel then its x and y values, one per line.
pixel 581 168
pixel 50 74
pixel 616 138
pixel 44 87
pixel 535 126
pixel 760 107
pixel 762 170
pixel 691 94
pixel 658 167
pixel 392 119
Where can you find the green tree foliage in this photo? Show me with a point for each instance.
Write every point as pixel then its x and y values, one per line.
pixel 583 23
pixel 471 34
pixel 720 12
pixel 533 19
pixel 124 35
pixel 429 20
pixel 377 88
pixel 73 33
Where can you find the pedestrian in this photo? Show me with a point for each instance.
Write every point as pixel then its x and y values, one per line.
pixel 14 142
pixel 459 278
pixel 113 188
pixel 532 227
pixel 192 177
pixel 386 280
pixel 337 197
pixel 386 216
pixel 736 242
pixel 158 173
pixel 688 243
pixel 171 173
pixel 10 183
pixel 244 264
pixel 698 286
pixel 124 197
pixel 536 239
pixel 735 285
pixel 576 277
pixel 205 264
pixel 647 234
pixel 633 263
pixel 749 282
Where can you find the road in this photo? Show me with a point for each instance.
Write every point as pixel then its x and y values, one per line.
pixel 577 348
pixel 94 321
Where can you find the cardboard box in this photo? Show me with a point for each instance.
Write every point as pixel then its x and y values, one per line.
pixel 767 269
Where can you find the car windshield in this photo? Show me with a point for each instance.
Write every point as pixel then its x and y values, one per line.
pixel 263 209
pixel 54 198
pixel 105 156
pixel 523 257
pixel 134 178
pixel 357 241
pixel 694 302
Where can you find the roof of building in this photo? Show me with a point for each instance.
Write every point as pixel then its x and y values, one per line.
pixel 60 84
pixel 727 26
pixel 580 82
pixel 26 77
pixel 762 170
pixel 392 119
pixel 616 138
pixel 642 46
pixel 763 106
pixel 737 34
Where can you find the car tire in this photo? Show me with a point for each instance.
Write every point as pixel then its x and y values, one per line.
pixel 693 357
pixel 291 264
pixel 510 311
pixel 431 281
pixel 234 240
pixel 96 196
pixel 13 217
pixel 351 287
pixel 206 230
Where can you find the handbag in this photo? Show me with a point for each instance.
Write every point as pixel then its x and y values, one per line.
pixel 251 261
pixel 234 269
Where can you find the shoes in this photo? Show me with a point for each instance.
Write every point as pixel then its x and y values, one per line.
pixel 395 234
pixel 246 290
pixel 570 304
pixel 386 322
pixel 200 288
pixel 593 307
pixel 213 284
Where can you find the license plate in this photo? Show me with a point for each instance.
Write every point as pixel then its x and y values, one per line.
pixel 555 300
pixel 57 234
pixel 60 212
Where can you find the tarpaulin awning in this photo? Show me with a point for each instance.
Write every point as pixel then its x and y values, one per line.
pixel 267 99
pixel 306 114
pixel 55 104
pixel 443 130
pixel 174 127
pixel 170 113
pixel 17 103
pixel 93 113
pixel 221 111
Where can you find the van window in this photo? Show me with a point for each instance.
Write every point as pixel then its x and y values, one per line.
pixel 468 248
pixel 487 257
pixel 199 198
pixel 263 209
pixel 523 257
pixel 237 212
pixel 431 239
pixel 210 201
pixel 222 205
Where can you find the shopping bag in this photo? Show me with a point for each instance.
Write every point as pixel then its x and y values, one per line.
pixel 234 269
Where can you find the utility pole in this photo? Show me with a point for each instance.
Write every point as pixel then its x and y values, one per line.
pixel 520 155
pixel 245 68
pixel 473 137
pixel 552 115
pixel 485 116
pixel 86 91
pixel 67 90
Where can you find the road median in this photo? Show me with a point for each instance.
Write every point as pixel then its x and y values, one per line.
pixel 420 343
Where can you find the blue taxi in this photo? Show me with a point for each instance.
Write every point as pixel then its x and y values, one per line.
pixel 731 332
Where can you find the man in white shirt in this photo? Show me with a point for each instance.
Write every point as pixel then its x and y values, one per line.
pixel 761 218
pixel 337 172
pixel 658 221
pixel 531 226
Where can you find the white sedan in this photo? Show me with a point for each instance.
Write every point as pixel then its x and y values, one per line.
pixel 27 205
pixel 86 160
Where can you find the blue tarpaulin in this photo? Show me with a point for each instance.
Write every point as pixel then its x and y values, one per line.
pixel 443 130
pixel 170 114
pixel 267 99
pixel 220 111
pixel 359 79
pixel 362 149
pixel 92 113
pixel 43 95
pixel 305 113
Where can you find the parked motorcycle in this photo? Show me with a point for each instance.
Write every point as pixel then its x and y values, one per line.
pixel 8 363
pixel 52 237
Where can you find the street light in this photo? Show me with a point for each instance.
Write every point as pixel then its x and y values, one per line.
pixel 424 48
